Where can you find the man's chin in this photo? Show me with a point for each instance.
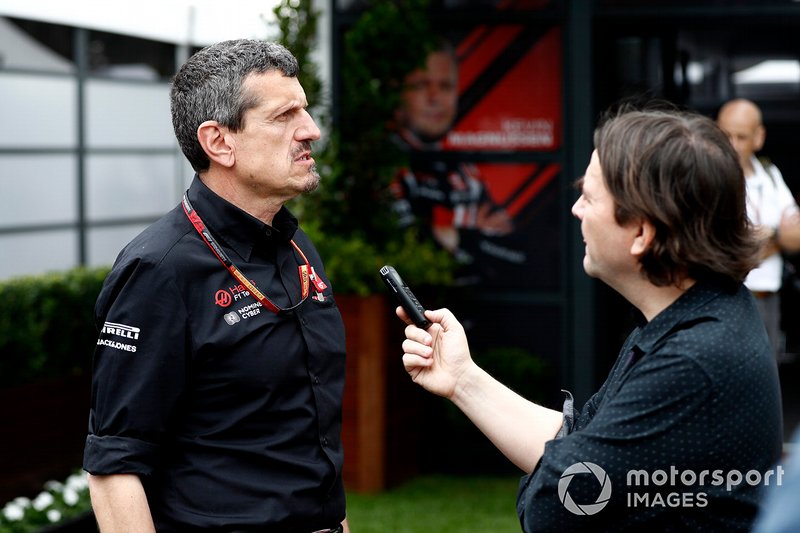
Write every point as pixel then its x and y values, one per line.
pixel 429 132
pixel 431 137
pixel 588 267
pixel 312 183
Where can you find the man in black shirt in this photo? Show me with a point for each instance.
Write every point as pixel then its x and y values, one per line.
pixel 687 428
pixel 219 370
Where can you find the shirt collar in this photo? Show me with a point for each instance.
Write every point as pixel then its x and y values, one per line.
pixel 651 332
pixel 238 229
pixel 758 170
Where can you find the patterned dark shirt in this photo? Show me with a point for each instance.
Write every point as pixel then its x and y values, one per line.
pixel 683 436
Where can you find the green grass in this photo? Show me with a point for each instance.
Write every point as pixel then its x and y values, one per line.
pixel 438 504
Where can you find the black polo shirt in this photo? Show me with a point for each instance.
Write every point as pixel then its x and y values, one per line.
pixel 229 413
pixel 692 401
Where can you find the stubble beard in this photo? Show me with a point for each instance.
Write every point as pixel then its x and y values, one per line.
pixel 312 183
pixel 313 178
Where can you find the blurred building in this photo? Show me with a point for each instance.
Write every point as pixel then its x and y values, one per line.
pixel 535 75
pixel 87 155
pixel 88 159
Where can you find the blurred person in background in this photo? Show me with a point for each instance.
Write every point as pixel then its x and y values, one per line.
pixel 772 210
pixel 779 511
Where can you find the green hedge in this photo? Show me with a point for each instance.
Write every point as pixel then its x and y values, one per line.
pixel 47 326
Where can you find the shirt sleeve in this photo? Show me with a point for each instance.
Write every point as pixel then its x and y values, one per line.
pixel 788 205
pixel 139 368
pixel 647 417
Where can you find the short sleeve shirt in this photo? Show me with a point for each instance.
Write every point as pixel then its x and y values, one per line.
pixel 229 413
pixel 692 402
pixel 768 199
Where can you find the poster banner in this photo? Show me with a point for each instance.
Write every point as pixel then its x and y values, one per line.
pixel 528 256
pixel 485 104
pixel 509 90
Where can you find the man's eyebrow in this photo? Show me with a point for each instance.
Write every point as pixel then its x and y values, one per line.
pixel 578 184
pixel 289 106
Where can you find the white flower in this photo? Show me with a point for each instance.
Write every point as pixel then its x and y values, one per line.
pixel 53 515
pixel 23 502
pixel 13 512
pixel 78 482
pixel 54 486
pixel 70 496
pixel 43 501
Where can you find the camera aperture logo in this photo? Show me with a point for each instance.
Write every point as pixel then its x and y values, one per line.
pixel 584 467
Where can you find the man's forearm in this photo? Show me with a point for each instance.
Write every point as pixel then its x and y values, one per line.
pixel 517 427
pixel 120 504
pixel 788 234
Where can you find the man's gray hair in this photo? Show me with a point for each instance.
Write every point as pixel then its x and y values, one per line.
pixel 209 87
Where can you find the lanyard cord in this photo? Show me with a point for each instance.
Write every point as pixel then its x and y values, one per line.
pixel 220 254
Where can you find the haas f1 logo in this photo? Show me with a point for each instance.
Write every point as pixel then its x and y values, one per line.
pixel 223 298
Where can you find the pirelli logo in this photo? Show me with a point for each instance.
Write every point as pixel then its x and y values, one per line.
pixel 121 330
pixel 111 333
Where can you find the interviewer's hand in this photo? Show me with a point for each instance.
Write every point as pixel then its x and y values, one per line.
pixel 436 358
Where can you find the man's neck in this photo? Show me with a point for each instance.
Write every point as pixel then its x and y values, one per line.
pixel 749 168
pixel 418 142
pixel 228 188
pixel 651 299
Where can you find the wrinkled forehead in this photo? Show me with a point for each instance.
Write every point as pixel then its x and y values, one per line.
pixel 272 88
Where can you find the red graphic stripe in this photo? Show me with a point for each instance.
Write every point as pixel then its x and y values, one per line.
pixel 533 189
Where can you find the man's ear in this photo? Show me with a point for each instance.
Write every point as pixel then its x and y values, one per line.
pixel 216 143
pixel 644 238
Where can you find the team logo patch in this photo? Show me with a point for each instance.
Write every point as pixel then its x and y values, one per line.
pixel 223 298
pixel 119 336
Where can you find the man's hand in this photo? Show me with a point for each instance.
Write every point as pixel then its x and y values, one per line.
pixel 769 244
pixel 789 231
pixel 436 358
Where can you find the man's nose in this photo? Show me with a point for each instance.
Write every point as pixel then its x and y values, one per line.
pixel 434 92
pixel 309 129
pixel 577 208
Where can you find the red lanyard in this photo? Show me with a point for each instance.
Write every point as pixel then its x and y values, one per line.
pixel 306 271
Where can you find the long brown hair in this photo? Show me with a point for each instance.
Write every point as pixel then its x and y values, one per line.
pixel 679 171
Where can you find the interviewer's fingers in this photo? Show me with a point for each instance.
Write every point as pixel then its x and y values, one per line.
pixel 412 347
pixel 412 362
pixel 400 312
pixel 419 335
